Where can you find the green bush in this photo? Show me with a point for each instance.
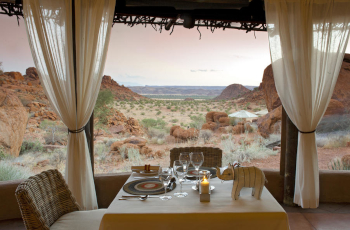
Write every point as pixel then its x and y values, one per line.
pixel 8 171
pixel 197 121
pixel 102 107
pixel 30 146
pixel 334 123
pixel 174 120
pixel 157 124
pixel 337 164
pixel 158 113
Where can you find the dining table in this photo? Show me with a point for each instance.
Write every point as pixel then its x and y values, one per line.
pixel 188 213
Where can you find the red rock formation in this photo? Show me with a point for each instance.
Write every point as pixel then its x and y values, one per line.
pixel 13 122
pixel 15 75
pixel 254 96
pixel 210 125
pixel 341 91
pixel 232 91
pixel 266 123
pixel 119 92
pixel 183 134
pixel 32 73
pixel 335 107
pixel 124 125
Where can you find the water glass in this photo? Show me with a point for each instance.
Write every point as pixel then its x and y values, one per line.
pixel 164 177
pixel 180 172
pixel 197 159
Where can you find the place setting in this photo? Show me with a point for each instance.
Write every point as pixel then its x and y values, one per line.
pixel 156 182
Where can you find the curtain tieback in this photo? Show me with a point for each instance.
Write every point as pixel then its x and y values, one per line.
pixel 77 131
pixel 306 132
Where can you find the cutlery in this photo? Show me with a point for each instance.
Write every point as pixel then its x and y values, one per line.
pixel 149 196
pixel 142 198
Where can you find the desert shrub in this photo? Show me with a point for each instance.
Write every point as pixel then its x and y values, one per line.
pixel 102 153
pixel 337 164
pixel 157 124
pixel 158 113
pixel 53 136
pixel 233 121
pixel 249 128
pixel 243 152
pixel 333 140
pixel 134 156
pixel 142 113
pixel 334 123
pixel 110 142
pixel 58 157
pixel 8 171
pixel 158 133
pixel 197 121
pixel 205 135
pixel 46 123
pixel 1 70
pixel 174 120
pixel 30 146
pixel 102 107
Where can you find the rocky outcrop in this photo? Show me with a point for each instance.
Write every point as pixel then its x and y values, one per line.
pixel 232 91
pixel 255 96
pixel 32 73
pixel 215 120
pixel 184 134
pixel 13 122
pixel 268 123
pixel 341 91
pixel 120 92
pixel 15 75
pixel 335 107
pixel 119 123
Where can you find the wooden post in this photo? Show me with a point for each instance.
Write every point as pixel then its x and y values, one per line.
pixel 283 141
pixel 290 162
pixel 89 132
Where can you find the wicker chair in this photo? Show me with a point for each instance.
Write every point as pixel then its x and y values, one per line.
pixel 212 156
pixel 46 203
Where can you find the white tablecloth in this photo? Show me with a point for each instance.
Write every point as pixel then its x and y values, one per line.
pixel 190 214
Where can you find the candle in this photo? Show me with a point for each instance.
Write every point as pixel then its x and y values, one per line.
pixel 205 186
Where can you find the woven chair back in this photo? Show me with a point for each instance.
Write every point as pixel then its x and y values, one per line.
pixel 44 198
pixel 212 156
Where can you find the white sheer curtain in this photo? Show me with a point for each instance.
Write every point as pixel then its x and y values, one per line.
pixel 72 97
pixel 307 44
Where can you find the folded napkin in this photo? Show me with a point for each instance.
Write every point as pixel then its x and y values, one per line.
pixel 144 167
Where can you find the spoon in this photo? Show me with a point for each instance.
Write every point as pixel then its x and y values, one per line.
pixel 142 198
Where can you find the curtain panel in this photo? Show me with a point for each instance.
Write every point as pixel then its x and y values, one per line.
pixel 307 40
pixel 71 80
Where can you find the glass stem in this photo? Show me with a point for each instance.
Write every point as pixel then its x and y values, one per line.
pixel 180 186
pixel 165 189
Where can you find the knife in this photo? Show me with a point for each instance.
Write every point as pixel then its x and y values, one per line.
pixel 170 186
pixel 137 196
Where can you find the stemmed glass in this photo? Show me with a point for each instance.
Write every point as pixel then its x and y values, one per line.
pixel 197 160
pixel 185 161
pixel 164 177
pixel 180 171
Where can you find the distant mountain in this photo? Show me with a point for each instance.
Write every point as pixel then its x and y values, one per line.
pixel 119 92
pixel 251 87
pixel 232 91
pixel 176 90
pixel 127 84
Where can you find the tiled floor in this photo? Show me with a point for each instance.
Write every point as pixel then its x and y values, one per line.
pixel 327 217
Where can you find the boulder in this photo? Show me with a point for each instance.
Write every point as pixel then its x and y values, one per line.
pixel 117 129
pixel 13 122
pixel 159 153
pixel 146 151
pixel 238 129
pixel 209 116
pixel 183 134
pixel 139 141
pixel 222 130
pixel 335 108
pixel 172 129
pixel 32 73
pixel 15 75
pixel 224 121
pixel 218 115
pixel 266 123
pixel 210 125
pixel 116 145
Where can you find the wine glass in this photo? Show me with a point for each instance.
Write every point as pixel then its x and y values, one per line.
pixel 185 160
pixel 197 160
pixel 180 172
pixel 164 177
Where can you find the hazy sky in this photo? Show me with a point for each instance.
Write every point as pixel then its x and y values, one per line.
pixel 142 55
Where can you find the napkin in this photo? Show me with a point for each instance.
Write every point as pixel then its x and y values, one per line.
pixel 140 168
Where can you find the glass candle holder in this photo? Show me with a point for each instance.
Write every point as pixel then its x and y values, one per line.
pixel 204 184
